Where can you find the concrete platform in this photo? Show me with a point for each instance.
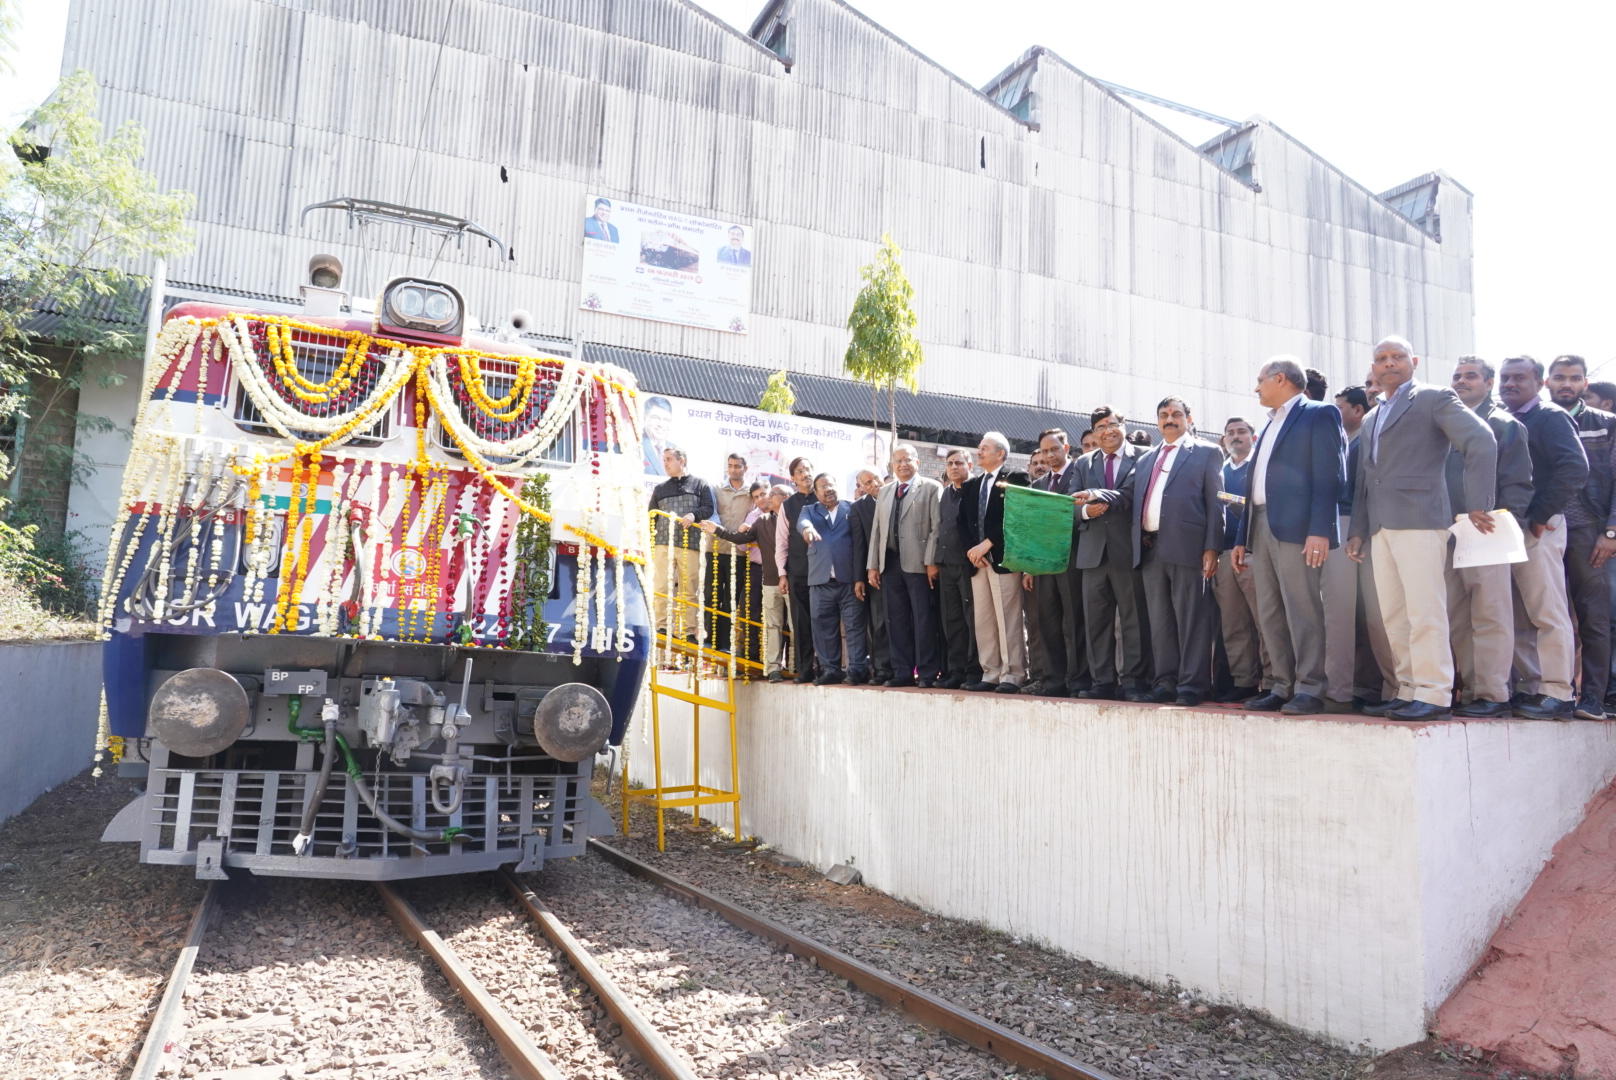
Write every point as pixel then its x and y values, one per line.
pixel 1343 874
pixel 1544 997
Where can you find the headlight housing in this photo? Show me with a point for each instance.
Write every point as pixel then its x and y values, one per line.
pixel 430 306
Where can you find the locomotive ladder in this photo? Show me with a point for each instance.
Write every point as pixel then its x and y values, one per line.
pixel 686 670
pixel 695 794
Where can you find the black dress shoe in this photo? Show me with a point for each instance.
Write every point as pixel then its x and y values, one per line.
pixel 1239 693
pixel 900 682
pixel 1547 709
pixel 979 687
pixel 1302 705
pixel 1189 698
pixel 1007 688
pixel 1383 708
pixel 829 678
pixel 1419 712
pixel 1482 709
pixel 775 676
pixel 1102 692
pixel 953 682
pixel 1140 696
pixel 925 684
pixel 1518 699
pixel 1076 689
pixel 1269 702
pixel 858 678
pixel 1164 696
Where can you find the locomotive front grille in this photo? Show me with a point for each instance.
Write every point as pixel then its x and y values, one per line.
pixel 253 816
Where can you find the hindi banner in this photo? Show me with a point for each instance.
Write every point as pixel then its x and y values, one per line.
pixel 666 266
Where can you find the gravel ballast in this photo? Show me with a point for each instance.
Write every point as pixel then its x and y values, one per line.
pixel 307 978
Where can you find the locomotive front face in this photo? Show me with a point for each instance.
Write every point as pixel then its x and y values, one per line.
pixel 374 595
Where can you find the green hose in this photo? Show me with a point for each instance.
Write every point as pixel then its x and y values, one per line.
pixel 294 709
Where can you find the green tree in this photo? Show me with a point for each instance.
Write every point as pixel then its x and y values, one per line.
pixel 884 350
pixel 779 396
pixel 78 215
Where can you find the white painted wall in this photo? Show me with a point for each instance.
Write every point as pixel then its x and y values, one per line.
pixel 1326 872
pixel 1493 800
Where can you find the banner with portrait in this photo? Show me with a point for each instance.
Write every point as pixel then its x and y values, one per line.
pixel 709 433
pixel 666 266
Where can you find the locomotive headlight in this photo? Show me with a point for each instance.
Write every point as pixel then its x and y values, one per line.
pixel 412 304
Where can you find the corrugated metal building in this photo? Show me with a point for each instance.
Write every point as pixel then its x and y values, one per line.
pixel 1066 250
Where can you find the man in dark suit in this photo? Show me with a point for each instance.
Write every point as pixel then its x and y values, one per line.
pixel 902 568
pixel 802 640
pixel 995 591
pixel 1177 533
pixel 954 571
pixel 874 605
pixel 1060 596
pixel 1590 529
pixel 1289 528
pixel 1401 505
pixel 1113 594
pixel 1545 645
pixel 835 536
pixel 599 226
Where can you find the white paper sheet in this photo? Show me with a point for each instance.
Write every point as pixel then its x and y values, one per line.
pixel 1472 547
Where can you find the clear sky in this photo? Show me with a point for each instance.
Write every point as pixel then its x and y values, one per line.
pixel 1516 102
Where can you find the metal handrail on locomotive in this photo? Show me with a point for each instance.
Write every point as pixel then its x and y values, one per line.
pixel 374 597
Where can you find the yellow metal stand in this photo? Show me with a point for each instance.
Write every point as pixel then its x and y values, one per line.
pixel 694 794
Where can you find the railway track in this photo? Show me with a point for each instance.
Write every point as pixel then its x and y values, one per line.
pixel 525 1058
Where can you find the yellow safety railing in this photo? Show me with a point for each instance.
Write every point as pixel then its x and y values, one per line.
pixel 705 665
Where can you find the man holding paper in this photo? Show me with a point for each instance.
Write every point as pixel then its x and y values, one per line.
pixel 1401 507
pixel 1545 647
pixel 1481 605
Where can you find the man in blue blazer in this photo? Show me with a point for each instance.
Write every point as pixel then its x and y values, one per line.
pixel 837 552
pixel 1291 525
pixel 1172 500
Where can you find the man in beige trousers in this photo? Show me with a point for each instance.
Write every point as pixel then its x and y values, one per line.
pixel 1401 508
pixel 1481 608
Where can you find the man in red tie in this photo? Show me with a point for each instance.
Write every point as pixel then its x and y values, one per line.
pixel 1113 594
pixel 1177 532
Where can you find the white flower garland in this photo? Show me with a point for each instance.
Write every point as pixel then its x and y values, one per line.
pixel 562 407
pixel 287 421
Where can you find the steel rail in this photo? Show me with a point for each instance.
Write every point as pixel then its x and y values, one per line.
pixel 924 1006
pixel 524 1057
pixel 651 1047
pixel 172 1005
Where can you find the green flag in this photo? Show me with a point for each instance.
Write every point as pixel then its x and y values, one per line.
pixel 1037 530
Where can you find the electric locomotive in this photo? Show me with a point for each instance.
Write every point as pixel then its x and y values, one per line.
pixel 373 599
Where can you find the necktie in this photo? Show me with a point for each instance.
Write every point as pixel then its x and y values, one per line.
pixel 1155 474
pixel 1110 470
pixel 903 489
pixel 982 498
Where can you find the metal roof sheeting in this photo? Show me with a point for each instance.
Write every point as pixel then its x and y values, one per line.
pixel 1098 258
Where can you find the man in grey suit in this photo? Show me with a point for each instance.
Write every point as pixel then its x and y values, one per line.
pixel 1401 507
pixel 1481 612
pixel 1113 595
pixel 903 566
pixel 1177 534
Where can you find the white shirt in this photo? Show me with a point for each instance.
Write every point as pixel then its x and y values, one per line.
pixel 1265 449
pixel 1150 520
